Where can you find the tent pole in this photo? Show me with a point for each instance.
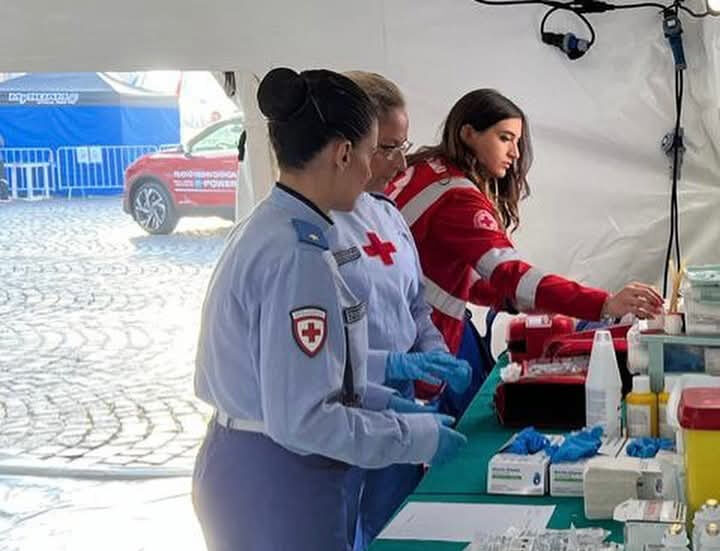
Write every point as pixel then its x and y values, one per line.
pixel 257 173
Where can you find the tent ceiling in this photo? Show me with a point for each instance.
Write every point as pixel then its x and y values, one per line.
pixel 92 35
pixel 599 209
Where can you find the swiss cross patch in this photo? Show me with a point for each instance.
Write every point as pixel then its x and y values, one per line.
pixel 485 220
pixel 309 328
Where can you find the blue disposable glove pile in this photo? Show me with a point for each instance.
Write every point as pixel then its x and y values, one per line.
pixel 576 445
pixel 403 405
pixel 648 447
pixel 527 442
pixel 431 367
pixel 449 441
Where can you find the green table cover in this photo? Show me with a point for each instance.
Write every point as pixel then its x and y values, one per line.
pixel 464 478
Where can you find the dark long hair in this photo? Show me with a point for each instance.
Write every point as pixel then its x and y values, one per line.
pixel 482 109
pixel 307 110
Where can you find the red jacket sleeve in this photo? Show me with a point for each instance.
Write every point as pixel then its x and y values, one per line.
pixel 466 225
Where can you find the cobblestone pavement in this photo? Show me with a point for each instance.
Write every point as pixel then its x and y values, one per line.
pixel 98 325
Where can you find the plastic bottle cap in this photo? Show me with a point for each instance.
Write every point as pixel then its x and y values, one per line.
pixel 675 537
pixel 602 336
pixel 712 529
pixel 641 384
pixel 711 503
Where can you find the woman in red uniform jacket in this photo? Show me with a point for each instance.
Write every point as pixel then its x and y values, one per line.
pixel 460 199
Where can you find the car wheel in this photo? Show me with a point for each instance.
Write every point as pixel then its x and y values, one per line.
pixel 153 208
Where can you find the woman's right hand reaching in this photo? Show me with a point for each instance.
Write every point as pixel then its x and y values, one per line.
pixel 635 298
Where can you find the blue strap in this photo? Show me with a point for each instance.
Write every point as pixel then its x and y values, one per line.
pixel 489 319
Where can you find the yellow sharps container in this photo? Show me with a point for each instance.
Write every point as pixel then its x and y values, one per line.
pixel 699 417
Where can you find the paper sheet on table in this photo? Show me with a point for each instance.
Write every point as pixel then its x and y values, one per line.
pixel 461 521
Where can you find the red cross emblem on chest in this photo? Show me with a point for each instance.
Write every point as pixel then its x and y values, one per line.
pixel 377 247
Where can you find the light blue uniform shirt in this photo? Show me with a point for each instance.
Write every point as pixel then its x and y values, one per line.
pixel 278 322
pixel 376 253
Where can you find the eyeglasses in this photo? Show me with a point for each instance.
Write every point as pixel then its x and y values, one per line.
pixel 390 151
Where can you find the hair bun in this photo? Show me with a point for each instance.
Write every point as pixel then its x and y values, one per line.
pixel 281 94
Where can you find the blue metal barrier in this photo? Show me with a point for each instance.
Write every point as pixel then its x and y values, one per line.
pixel 99 168
pixel 29 171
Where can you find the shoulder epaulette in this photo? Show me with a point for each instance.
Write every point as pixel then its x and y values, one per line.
pixel 307 232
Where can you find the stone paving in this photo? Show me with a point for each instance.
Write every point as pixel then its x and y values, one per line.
pixel 98 327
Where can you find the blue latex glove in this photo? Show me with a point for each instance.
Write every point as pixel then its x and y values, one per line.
pixel 431 367
pixel 577 445
pixel 648 447
pixel 449 441
pixel 403 405
pixel 527 442
pixel 444 420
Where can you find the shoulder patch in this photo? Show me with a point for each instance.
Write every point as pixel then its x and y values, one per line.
pixel 485 220
pixel 309 328
pixel 382 197
pixel 307 232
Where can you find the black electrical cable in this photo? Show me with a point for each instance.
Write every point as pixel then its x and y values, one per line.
pixel 640 5
pixel 580 15
pixel 521 2
pixel 674 238
pixel 581 7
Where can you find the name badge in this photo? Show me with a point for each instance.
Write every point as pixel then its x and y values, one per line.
pixel 346 255
pixel 355 313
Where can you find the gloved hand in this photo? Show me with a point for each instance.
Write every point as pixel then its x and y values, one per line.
pixel 431 367
pixel 449 441
pixel 403 405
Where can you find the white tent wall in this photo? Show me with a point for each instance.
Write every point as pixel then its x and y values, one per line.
pixel 600 203
pixel 599 210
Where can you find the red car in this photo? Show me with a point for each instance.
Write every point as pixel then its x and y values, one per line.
pixel 196 179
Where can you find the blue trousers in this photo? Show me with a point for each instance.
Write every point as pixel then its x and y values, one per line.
pixel 477 352
pixel 251 494
pixel 380 493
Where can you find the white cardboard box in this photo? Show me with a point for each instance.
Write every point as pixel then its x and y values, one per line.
pixel 566 479
pixel 509 473
pixel 609 481
pixel 647 520
pixel 513 474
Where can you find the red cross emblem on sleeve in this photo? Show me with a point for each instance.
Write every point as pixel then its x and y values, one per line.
pixel 309 329
pixel 484 220
pixel 377 247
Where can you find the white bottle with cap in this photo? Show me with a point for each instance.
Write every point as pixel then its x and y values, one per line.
pixel 675 538
pixel 708 514
pixel 710 538
pixel 603 387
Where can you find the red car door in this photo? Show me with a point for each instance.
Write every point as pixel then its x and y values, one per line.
pixel 207 176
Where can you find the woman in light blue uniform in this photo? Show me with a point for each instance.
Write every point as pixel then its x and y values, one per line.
pixel 376 254
pixel 283 343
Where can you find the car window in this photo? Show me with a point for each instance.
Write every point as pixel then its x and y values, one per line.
pixel 225 137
